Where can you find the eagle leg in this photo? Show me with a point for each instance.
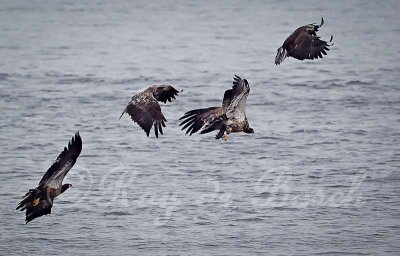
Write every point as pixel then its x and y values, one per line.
pixel 221 133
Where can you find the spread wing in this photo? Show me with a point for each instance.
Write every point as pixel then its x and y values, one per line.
pixel 240 91
pixel 164 93
pixel 306 46
pixel 65 161
pixel 146 112
pixel 209 118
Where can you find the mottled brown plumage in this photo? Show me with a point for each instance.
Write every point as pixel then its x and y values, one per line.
pixel 39 201
pixel 229 118
pixel 145 110
pixel 303 44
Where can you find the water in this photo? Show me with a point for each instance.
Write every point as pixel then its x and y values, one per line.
pixel 320 176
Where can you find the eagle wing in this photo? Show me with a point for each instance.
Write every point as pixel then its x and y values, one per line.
pixel 240 91
pixel 146 112
pixel 228 96
pixel 54 176
pixel 164 93
pixel 306 46
pixel 209 118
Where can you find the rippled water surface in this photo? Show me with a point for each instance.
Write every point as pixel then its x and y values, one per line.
pixel 320 176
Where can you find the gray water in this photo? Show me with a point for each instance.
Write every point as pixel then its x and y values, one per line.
pixel 320 176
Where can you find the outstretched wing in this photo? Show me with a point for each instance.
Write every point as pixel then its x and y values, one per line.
pixel 146 112
pixel 240 91
pixel 164 93
pixel 65 161
pixel 307 46
pixel 209 118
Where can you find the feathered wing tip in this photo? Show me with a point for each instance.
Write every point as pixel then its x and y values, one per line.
pixel 236 78
pixel 192 120
pixel 158 127
pixel 318 26
pixel 165 93
pixel 123 112
pixel 325 48
pixel 280 55
pixel 330 41
pixel 189 121
pixel 75 144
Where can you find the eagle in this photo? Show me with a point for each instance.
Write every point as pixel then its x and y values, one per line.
pixel 145 110
pixel 303 44
pixel 231 117
pixel 39 201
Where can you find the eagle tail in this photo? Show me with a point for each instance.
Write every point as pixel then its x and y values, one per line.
pixel 35 212
pixel 280 55
pixel 36 204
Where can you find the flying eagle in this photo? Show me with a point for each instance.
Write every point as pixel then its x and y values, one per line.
pixel 38 202
pixel 229 118
pixel 303 43
pixel 145 110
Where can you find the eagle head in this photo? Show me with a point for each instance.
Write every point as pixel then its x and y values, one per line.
pixel 311 29
pixel 65 187
pixel 248 130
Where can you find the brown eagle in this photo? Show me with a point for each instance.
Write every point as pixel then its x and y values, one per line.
pixel 231 117
pixel 303 44
pixel 38 202
pixel 145 110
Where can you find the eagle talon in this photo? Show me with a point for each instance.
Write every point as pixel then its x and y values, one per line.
pixel 36 201
pixel 225 137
